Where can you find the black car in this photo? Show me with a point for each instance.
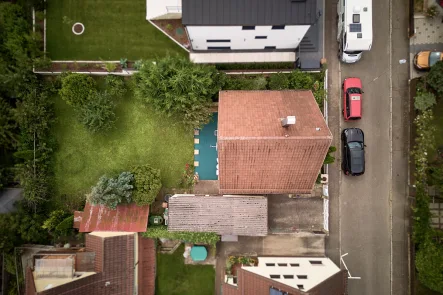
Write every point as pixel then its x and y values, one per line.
pixel 353 158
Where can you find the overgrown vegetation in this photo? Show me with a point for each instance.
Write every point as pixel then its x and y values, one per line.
pixel 428 241
pixel 256 66
pixel 157 232
pixel 176 87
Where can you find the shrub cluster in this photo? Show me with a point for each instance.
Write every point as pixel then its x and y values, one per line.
pixel 158 232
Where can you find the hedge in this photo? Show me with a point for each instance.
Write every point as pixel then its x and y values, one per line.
pixel 157 232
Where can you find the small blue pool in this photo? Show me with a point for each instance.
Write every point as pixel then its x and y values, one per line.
pixel 205 151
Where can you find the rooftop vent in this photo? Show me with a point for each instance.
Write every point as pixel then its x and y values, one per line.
pixel 289 120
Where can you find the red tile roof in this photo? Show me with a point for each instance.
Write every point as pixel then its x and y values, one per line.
pixel 259 156
pixel 147 261
pixel 127 218
pixel 253 284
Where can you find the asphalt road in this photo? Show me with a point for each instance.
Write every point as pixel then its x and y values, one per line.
pixel 362 218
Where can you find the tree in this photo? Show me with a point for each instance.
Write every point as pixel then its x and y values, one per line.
pixel 77 88
pixel 176 87
pixel 110 192
pixel 97 113
pixel 429 264
pixel 55 217
pixel 435 78
pixel 424 101
pixel 147 184
pixel 8 125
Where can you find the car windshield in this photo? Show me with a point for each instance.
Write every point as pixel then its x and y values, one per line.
pixel 434 57
pixel 355 145
pixel 354 90
pixel 353 52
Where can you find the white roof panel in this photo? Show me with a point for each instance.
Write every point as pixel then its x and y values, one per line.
pixel 358 33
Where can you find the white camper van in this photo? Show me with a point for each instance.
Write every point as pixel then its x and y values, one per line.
pixel 354 18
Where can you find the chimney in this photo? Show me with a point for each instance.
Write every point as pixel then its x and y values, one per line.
pixel 289 120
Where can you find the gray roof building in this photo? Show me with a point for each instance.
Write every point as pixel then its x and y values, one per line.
pixel 225 215
pixel 249 12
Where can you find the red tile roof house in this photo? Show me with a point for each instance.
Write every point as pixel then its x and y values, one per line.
pixel 288 276
pixel 263 149
pixel 118 261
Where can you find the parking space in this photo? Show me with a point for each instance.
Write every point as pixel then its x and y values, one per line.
pixel 289 215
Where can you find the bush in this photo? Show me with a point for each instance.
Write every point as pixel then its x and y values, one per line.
pixel 97 113
pixel 278 81
pixel 176 87
pixel 245 83
pixel 55 217
pixel 115 86
pixel 65 227
pixel 299 80
pixel 111 192
pixel 110 66
pixel 77 88
pixel 147 184
pixel 424 101
pixel 8 125
pixel 435 78
pixel 429 264
pixel 157 232
pixel 329 158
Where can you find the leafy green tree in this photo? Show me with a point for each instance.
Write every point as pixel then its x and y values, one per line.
pixel 77 89
pixel 147 184
pixel 8 232
pixel 435 78
pixel 55 217
pixel 176 87
pixel 65 227
pixel 97 113
pixel 8 125
pixel 429 264
pixel 299 80
pixel 110 192
pixel 115 86
pixel 424 101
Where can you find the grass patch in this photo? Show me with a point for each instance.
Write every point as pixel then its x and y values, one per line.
pixel 113 29
pixel 141 136
pixel 174 277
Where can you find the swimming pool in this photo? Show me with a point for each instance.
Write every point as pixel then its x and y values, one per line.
pixel 205 150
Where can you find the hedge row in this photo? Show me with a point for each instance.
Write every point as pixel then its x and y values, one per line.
pixel 158 232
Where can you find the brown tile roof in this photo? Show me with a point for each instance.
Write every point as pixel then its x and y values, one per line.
pixel 147 261
pixel 114 264
pixel 259 156
pixel 126 218
pixel 253 284
pixel 225 215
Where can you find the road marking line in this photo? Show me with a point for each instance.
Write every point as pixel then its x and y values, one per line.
pixel 390 143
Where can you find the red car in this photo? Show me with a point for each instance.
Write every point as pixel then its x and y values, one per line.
pixel 352 99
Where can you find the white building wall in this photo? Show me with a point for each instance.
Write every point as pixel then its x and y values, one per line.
pixel 289 38
pixel 294 271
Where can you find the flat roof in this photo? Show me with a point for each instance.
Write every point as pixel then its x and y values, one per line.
pixel 248 12
pixel 363 27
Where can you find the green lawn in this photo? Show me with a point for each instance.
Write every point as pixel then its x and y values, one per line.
pixel 176 278
pixel 141 137
pixel 113 29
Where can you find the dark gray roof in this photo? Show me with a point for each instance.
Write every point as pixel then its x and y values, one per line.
pixel 248 12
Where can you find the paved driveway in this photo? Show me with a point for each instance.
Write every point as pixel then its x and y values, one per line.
pixel 287 215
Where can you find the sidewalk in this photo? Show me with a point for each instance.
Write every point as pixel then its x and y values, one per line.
pixel 428 36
